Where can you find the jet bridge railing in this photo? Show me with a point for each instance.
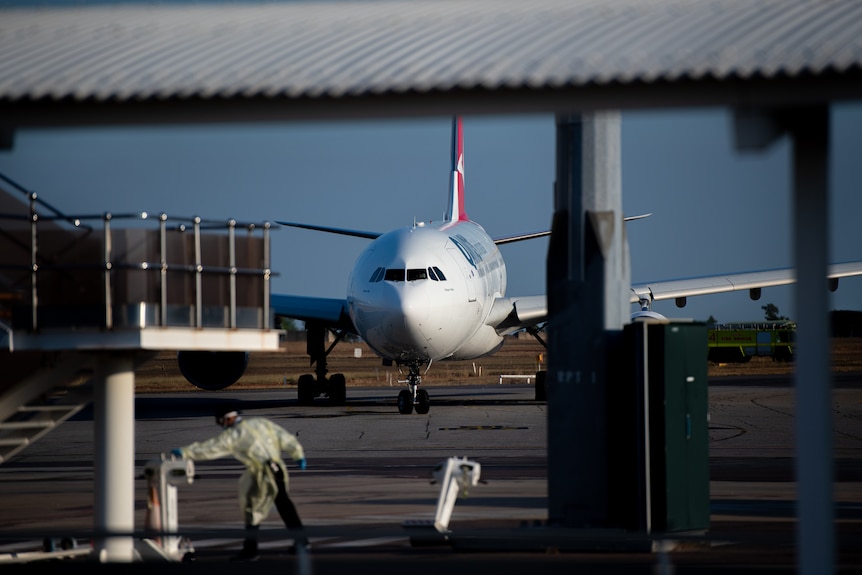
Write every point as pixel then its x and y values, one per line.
pixel 60 271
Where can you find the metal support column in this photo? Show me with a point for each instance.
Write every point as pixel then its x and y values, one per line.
pixel 809 128
pixel 114 416
pixel 815 537
pixel 588 285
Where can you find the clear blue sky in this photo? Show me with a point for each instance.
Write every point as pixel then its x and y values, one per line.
pixel 715 210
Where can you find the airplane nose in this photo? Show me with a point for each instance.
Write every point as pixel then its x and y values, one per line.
pixel 412 307
pixel 393 320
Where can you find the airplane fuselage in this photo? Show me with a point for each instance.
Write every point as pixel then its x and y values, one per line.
pixel 423 293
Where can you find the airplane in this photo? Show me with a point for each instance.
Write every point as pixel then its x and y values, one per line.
pixel 419 294
pixel 434 291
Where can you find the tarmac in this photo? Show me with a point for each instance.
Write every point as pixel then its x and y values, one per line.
pixel 367 495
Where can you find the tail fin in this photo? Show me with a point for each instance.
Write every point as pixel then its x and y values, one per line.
pixel 455 211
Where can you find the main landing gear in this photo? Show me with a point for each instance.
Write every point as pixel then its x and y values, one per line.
pixel 541 376
pixel 335 387
pixel 413 397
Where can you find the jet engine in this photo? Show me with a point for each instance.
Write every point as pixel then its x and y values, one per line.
pixel 212 370
pixel 646 314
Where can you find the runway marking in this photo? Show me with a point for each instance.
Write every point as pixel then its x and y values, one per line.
pixel 372 542
pixel 318 542
pixel 731 432
pixel 483 428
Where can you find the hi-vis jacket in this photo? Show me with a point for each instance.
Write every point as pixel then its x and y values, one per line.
pixel 253 441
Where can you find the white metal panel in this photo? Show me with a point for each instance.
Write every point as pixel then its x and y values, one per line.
pixel 333 49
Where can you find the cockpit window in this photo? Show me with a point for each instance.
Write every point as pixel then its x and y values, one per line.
pixel 377 275
pixel 417 274
pixel 394 275
pixel 399 274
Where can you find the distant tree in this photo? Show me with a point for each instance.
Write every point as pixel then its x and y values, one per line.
pixel 771 312
pixel 288 324
pixel 711 321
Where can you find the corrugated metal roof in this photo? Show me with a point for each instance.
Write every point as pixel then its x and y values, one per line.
pixel 133 52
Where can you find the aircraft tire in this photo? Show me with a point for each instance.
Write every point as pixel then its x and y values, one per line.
pixel 405 402
pixel 337 389
pixel 423 402
pixel 305 389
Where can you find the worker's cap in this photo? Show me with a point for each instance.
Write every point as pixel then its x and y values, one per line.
pixel 225 413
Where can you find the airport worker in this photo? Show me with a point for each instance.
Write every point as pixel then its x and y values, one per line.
pixel 257 443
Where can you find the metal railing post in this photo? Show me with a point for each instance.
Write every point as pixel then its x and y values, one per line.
pixel 109 317
pixel 199 268
pixel 34 264
pixel 231 230
pixel 267 273
pixel 163 283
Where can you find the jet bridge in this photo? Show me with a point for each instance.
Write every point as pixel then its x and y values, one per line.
pixel 85 299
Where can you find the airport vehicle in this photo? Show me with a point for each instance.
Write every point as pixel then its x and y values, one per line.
pixel 433 291
pixel 738 342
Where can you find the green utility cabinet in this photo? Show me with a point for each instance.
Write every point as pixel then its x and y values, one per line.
pixel 679 433
pixel 659 429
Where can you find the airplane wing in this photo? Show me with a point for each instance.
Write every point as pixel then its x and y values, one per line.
pixel 511 314
pixel 340 231
pixel 528 236
pixel 682 288
pixel 519 237
pixel 331 312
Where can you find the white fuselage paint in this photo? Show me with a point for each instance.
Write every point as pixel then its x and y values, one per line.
pixel 416 317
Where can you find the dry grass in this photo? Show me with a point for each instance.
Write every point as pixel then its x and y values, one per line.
pixel 519 356
pixel 280 369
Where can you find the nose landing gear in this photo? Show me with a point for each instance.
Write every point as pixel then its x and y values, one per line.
pixel 413 397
